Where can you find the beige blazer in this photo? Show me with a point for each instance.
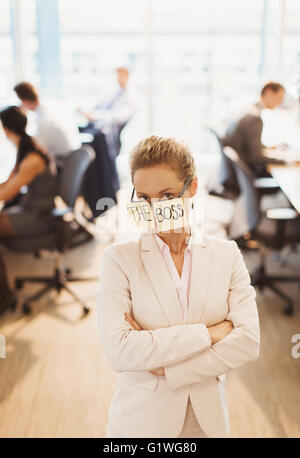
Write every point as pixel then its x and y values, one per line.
pixel 134 279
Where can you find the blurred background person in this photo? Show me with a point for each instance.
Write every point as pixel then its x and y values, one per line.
pixel 244 134
pixel 106 122
pixel 34 168
pixel 56 130
pixel 117 108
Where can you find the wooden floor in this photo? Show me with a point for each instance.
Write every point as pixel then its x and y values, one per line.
pixel 56 382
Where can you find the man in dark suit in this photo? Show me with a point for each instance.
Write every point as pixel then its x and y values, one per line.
pixel 244 134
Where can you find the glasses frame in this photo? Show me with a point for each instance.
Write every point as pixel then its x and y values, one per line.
pixel 163 200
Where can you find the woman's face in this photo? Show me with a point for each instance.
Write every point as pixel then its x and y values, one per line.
pixel 161 182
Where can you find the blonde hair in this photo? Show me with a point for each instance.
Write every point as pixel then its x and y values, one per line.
pixel 161 150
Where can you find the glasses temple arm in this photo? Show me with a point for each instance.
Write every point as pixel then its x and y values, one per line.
pixel 184 187
pixel 132 194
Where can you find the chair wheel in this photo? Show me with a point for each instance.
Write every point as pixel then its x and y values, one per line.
pixel 86 310
pixel 26 308
pixel 67 270
pixel 18 284
pixel 289 310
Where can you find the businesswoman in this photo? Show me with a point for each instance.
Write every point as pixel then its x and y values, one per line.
pixel 176 312
pixel 35 169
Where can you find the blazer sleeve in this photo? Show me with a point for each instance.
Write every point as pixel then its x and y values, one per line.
pixel 131 350
pixel 238 347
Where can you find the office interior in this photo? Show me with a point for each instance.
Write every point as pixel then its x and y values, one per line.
pixel 193 66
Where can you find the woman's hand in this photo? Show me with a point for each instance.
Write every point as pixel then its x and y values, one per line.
pixel 220 330
pixel 160 371
pixel 132 322
pixel 137 327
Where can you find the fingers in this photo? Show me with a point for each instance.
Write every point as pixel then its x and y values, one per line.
pixel 229 323
pixel 128 318
pixel 160 371
pixel 133 323
pixel 155 372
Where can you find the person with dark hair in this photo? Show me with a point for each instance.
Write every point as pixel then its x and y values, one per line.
pixel 28 94
pixel 272 94
pixel 56 130
pixel 244 134
pixel 34 168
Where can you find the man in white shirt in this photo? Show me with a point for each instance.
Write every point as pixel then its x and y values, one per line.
pixel 118 108
pixel 56 130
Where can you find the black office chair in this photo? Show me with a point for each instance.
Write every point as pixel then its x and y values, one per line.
pixel 227 185
pixel 66 234
pixel 276 228
pixel 120 129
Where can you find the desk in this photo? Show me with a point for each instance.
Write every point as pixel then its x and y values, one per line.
pixel 288 179
pixel 290 155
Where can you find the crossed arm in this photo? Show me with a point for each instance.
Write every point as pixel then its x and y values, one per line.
pixel 240 346
pixel 184 351
pixel 216 332
pixel 128 349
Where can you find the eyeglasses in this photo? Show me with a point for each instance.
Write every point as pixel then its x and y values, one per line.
pixel 157 199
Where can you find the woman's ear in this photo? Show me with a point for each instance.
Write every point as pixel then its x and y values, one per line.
pixel 193 187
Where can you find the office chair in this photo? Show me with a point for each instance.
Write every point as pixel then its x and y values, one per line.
pixel 227 185
pixel 273 230
pixel 63 237
pixel 120 129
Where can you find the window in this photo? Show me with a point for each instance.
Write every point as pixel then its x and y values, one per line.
pixel 96 38
pixel 204 54
pixel 7 62
pixel 290 46
pixel 195 62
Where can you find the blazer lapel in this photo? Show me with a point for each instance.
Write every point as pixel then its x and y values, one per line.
pixel 200 277
pixel 160 279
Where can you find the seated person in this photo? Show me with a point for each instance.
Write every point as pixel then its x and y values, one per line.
pixel 244 135
pixel 34 168
pixel 55 130
pixel 116 109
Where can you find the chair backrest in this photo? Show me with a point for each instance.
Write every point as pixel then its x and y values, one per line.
pixel 123 125
pixel 120 129
pixel 226 178
pixel 247 213
pixel 72 174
